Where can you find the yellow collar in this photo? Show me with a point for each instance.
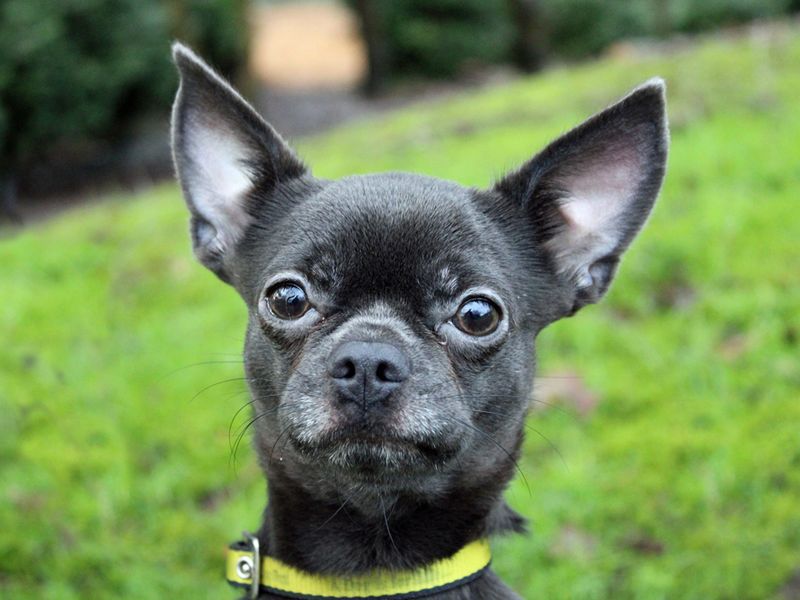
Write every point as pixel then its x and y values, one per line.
pixel 245 566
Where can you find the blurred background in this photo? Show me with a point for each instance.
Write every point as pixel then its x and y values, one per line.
pixel 663 453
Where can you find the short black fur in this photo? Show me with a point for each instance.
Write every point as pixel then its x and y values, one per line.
pixel 416 468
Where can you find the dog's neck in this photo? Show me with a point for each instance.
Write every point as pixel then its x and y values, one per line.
pixel 405 532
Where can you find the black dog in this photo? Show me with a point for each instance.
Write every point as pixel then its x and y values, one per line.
pixel 392 319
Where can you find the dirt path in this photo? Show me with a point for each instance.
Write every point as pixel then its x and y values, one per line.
pixel 306 46
pixel 309 59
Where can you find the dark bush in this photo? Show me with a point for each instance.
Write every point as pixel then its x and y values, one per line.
pixel 217 29
pixel 78 70
pixel 438 38
pixel 577 28
pixel 696 15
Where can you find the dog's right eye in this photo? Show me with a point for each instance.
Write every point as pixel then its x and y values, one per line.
pixel 477 316
pixel 287 301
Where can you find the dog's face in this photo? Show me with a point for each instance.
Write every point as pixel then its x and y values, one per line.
pixel 392 317
pixel 390 329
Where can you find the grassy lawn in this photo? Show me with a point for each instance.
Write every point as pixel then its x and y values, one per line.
pixel 680 478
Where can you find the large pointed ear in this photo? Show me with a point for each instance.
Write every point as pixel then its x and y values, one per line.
pixel 223 150
pixel 589 192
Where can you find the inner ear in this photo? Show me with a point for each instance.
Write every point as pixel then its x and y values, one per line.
pixel 590 191
pixel 595 195
pixel 223 152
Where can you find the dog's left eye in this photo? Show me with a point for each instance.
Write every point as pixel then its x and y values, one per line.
pixel 287 301
pixel 477 316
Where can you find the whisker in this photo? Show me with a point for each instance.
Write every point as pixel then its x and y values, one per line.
pixel 386 522
pixel 278 439
pixel 336 512
pixel 552 405
pixel 236 414
pixel 504 414
pixel 551 444
pixel 499 445
pixel 213 385
pixel 233 379
pixel 240 435
pixel 243 430
pixel 549 405
pixel 536 431
pixel 203 363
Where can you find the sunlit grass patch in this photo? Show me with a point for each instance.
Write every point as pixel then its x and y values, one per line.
pixel 680 479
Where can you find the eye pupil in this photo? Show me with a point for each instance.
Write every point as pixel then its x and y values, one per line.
pixel 288 301
pixel 477 316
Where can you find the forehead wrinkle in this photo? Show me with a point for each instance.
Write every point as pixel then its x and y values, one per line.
pixel 373 237
pixel 446 281
pixel 322 268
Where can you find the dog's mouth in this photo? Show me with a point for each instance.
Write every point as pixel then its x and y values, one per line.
pixel 367 455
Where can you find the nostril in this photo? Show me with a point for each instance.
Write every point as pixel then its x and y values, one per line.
pixel 343 369
pixel 382 371
pixel 386 371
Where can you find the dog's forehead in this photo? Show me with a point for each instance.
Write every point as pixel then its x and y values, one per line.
pixel 396 196
pixel 393 232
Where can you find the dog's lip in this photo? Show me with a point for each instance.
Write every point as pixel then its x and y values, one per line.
pixel 376 440
pixel 432 451
pixel 361 439
pixel 427 449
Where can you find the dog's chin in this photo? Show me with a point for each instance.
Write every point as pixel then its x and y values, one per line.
pixel 377 460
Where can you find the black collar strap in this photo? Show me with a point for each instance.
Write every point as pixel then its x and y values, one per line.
pixel 247 568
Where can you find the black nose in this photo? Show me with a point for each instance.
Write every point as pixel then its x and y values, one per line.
pixel 367 372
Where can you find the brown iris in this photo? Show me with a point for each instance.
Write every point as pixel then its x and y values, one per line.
pixel 477 316
pixel 287 301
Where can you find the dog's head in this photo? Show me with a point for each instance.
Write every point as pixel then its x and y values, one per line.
pixel 392 317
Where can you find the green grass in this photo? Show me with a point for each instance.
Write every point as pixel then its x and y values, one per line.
pixel 682 482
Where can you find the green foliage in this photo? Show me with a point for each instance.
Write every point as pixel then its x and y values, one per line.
pixel 576 28
pixel 437 38
pixel 217 29
pixel 74 70
pixel 681 482
pixel 694 15
pixel 441 37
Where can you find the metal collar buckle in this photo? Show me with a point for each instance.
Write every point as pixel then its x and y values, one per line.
pixel 250 567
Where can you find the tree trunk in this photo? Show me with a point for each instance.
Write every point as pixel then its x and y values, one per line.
pixel 530 49
pixel 9 209
pixel 663 24
pixel 372 14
